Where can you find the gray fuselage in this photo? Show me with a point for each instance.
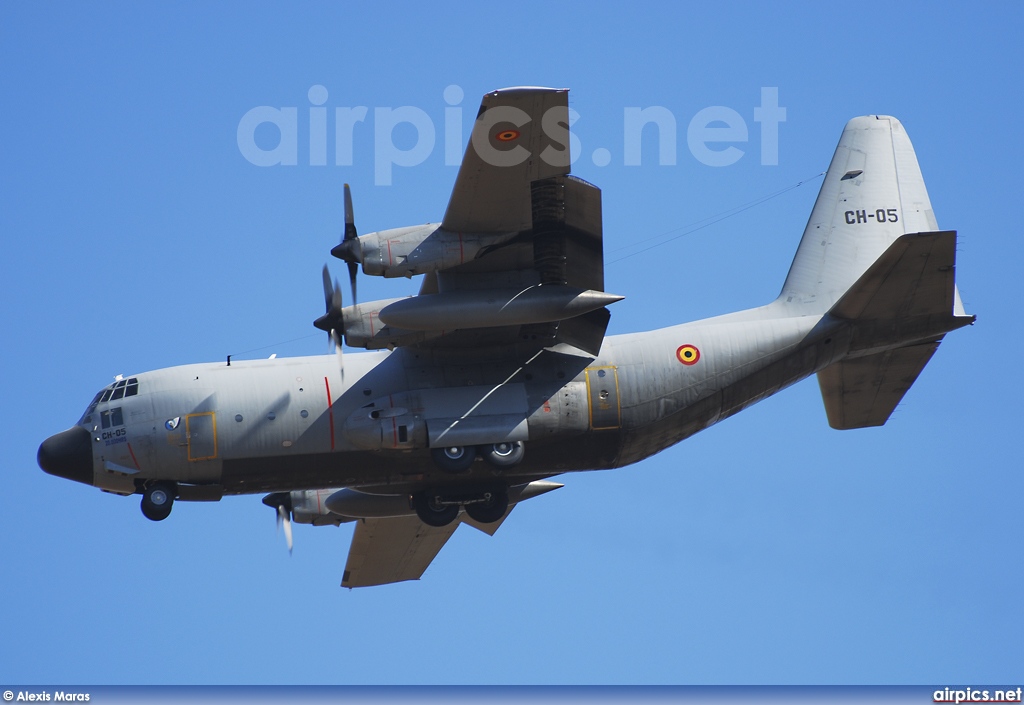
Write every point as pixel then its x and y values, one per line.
pixel 302 423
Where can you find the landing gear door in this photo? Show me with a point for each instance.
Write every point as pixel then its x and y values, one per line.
pixel 201 432
pixel 603 398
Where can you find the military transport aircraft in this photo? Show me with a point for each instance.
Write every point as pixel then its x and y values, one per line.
pixel 498 375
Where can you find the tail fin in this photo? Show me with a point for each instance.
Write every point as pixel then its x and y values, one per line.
pixel 872 255
pixel 873 193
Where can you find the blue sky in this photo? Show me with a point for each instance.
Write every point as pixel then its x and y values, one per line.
pixel 768 549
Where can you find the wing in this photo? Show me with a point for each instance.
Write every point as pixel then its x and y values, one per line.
pixel 392 550
pixel 516 265
pixel 396 549
pixel 520 135
pixel 515 179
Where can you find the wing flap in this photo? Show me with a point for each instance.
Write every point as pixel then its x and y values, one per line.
pixel 392 550
pixel 864 391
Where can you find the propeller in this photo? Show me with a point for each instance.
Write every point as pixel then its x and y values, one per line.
pixel 284 517
pixel 282 501
pixel 333 321
pixel 348 249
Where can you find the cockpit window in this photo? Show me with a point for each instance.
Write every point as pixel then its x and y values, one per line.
pixel 125 388
pixel 87 416
pixel 112 417
pixel 120 389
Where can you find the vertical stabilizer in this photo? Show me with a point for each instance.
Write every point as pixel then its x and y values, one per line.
pixel 873 193
pixel 873 258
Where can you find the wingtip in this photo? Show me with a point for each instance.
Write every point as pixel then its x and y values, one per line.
pixel 528 89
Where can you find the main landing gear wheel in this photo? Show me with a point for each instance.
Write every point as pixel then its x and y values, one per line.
pixel 158 500
pixel 505 454
pixel 431 511
pixel 492 508
pixel 454 459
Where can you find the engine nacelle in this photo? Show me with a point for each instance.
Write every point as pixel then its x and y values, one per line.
pixel 310 507
pixel 353 504
pixel 364 329
pixel 404 252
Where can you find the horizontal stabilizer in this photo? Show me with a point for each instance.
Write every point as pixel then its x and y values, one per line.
pixel 908 294
pixel 864 391
pixel 913 277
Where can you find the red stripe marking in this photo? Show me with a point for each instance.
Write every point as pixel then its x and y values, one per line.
pixel 394 423
pixel 134 459
pixel 391 260
pixel 372 332
pixel 330 410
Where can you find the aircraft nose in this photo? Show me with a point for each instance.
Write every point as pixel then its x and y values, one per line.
pixel 68 454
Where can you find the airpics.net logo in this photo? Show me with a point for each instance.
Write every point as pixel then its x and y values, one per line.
pixel 976 695
pixel 716 136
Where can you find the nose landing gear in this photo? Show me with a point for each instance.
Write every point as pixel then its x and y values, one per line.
pixel 158 500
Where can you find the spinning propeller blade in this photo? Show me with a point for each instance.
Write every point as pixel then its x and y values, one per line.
pixel 333 320
pixel 336 335
pixel 282 501
pixel 283 517
pixel 348 249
